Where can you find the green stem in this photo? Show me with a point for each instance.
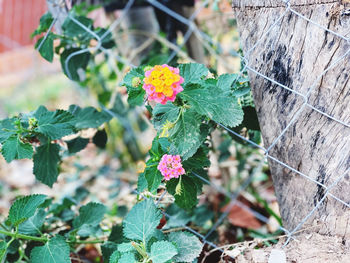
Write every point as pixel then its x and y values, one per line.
pixel 45 239
pixel 21 236
pixel 95 241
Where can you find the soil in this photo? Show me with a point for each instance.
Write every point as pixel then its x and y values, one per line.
pixel 307 248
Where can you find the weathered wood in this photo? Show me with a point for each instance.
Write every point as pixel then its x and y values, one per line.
pixel 295 53
pixel 280 3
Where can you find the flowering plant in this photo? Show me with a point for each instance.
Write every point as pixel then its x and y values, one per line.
pixel 189 106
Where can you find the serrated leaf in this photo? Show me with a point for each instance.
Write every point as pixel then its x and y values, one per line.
pixel 46 50
pixel 116 234
pixel 88 117
pixel 46 160
pixel 33 224
pixel 162 251
pixel 153 177
pixel 14 149
pixel 225 81
pixel 142 183
pixel 77 144
pixel 125 247
pixel 185 136
pixel 90 214
pixel 142 221
pixel 24 208
pixel 127 258
pixel 3 247
pixel 7 129
pixel 163 113
pixel 215 105
pixel 56 250
pixel 187 198
pixel 193 72
pixel 54 124
pixel 114 257
pixel 198 161
pixel 135 94
pixel 178 217
pixel 108 249
pixel 188 246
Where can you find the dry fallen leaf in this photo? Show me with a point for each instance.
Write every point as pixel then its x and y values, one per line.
pixel 239 216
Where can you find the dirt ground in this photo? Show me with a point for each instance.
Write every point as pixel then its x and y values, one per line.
pixel 307 248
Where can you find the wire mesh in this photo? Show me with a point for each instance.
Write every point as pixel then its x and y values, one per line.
pixel 208 42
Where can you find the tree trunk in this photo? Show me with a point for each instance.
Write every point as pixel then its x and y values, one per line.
pixel 295 53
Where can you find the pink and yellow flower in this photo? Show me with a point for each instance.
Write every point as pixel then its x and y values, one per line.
pixel 170 166
pixel 162 83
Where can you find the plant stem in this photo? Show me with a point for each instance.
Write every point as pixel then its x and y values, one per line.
pixel 95 241
pixel 45 239
pixel 21 236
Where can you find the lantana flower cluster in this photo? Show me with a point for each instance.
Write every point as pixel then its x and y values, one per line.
pixel 162 83
pixel 170 166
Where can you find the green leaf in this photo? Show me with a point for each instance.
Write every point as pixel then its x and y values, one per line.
pixel 14 149
pixel 225 81
pixel 54 124
pixel 142 221
pixel 7 129
pixel 142 183
pixel 127 258
pixel 46 161
pixel 76 66
pixel 73 29
pixel 24 208
pixel 116 234
pixel 162 113
pixel 153 177
pixel 136 93
pixel 90 214
pixel 45 22
pixel 3 247
pixel 115 257
pixel 187 198
pixel 178 217
pixel 198 161
pixel 56 250
pixel 193 72
pixel 100 139
pixel 46 50
pixel 107 250
pixel 125 247
pixel 188 246
pixel 77 144
pixel 185 136
pixel 88 117
pixel 33 224
pixel 214 104
pixel 162 251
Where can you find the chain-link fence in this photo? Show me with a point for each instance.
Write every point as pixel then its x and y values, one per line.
pixel 214 48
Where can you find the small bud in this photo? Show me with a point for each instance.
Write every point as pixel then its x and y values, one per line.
pixel 178 189
pixel 136 82
pixel 33 122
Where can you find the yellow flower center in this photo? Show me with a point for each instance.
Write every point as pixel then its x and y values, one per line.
pixel 162 78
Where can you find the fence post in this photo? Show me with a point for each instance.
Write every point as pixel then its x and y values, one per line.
pixel 312 62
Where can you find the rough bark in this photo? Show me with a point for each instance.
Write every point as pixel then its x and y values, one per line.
pixel 295 53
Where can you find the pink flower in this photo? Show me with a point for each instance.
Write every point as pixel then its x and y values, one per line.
pixel 170 166
pixel 162 83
